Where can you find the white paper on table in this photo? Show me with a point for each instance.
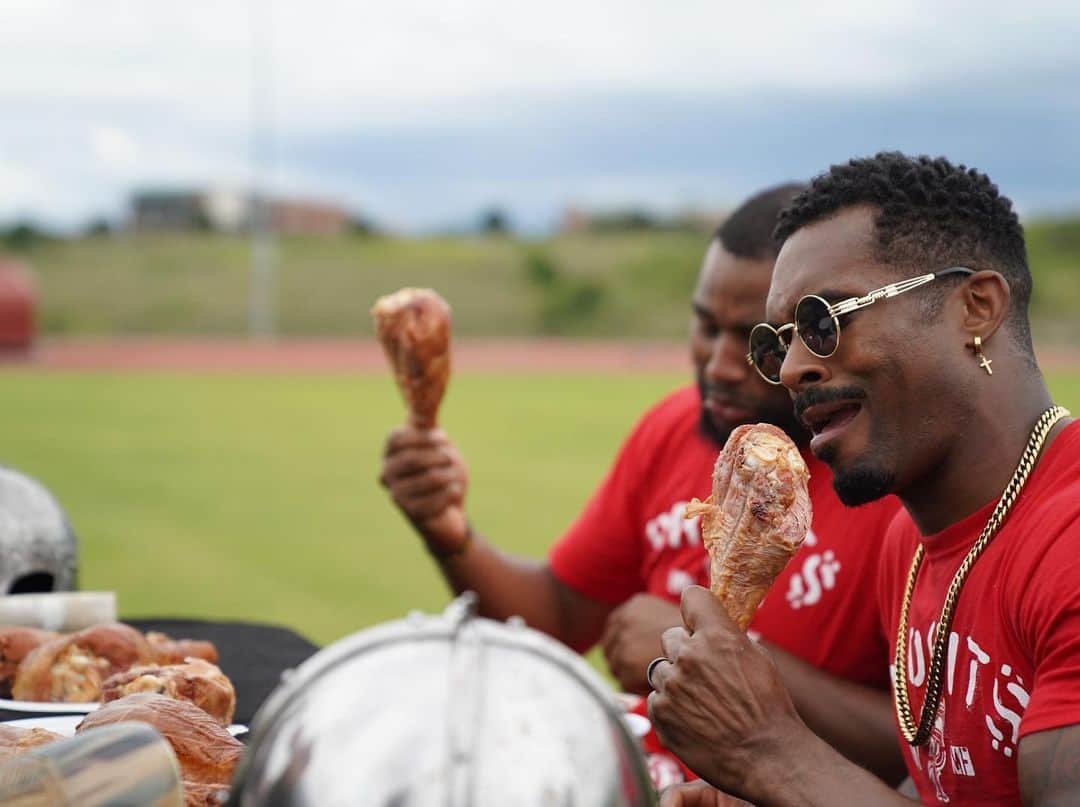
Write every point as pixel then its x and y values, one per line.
pixel 65 724
pixel 65 611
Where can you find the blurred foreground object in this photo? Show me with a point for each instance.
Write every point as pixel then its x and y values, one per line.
pixel 413 326
pixel 756 517
pixel 18 305
pixel 126 763
pixel 450 710
pixel 38 550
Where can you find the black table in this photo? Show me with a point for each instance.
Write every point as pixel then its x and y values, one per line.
pixel 253 656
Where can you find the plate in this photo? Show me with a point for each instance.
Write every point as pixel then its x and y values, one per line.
pixel 45 707
pixel 65 724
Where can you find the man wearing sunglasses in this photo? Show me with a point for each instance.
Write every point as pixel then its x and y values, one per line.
pixel 897 318
pixel 615 577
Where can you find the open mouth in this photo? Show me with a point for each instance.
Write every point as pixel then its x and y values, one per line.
pixel 827 420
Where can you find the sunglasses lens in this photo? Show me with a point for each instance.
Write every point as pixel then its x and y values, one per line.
pixel 816 326
pixel 766 352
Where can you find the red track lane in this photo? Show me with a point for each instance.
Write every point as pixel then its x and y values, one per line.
pixel 359 356
pixel 337 356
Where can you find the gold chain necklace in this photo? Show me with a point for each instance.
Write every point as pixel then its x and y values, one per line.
pixel 919 735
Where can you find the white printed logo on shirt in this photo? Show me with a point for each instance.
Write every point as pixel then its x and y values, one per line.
pixel 816 576
pixel 935 752
pixel 807 584
pixel 980 684
pixel 671 530
pixel 678 581
pixel 961 760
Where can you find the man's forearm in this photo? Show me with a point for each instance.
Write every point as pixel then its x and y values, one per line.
pixel 810 772
pixel 855 720
pixel 511 586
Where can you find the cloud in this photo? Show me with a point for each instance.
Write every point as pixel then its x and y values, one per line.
pixel 113 146
pixel 666 151
pixel 347 61
pixel 419 111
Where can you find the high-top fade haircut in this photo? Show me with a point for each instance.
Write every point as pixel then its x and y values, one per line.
pixel 748 231
pixel 931 214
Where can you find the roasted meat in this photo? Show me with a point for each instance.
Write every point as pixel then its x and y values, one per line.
pixel 173 651
pixel 16 642
pixel 200 794
pixel 413 326
pixel 196 681
pixel 207 753
pixel 70 669
pixel 15 739
pixel 756 518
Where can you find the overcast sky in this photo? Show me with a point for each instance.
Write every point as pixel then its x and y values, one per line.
pixel 422 113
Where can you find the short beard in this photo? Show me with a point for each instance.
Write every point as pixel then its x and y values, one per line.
pixel 862 485
pixel 783 418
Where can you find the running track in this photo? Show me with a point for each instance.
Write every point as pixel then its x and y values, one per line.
pixel 355 356
pixel 342 356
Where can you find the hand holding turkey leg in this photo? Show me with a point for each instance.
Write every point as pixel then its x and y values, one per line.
pixel 421 468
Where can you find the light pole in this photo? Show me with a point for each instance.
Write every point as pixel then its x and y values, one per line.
pixel 262 303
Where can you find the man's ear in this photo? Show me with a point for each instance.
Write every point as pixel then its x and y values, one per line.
pixel 985 297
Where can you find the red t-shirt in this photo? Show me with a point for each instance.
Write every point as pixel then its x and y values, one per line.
pixel 1014 662
pixel 632 538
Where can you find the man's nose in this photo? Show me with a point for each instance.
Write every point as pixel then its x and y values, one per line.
pixel 801 368
pixel 727 362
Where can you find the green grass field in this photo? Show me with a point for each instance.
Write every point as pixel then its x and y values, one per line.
pixel 625 285
pixel 255 497
pixel 198 284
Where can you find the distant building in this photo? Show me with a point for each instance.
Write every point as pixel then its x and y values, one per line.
pixel 230 212
pixel 574 221
pixel 227 211
pixel 169 210
pixel 300 217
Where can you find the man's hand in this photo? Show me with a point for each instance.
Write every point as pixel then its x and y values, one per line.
pixel 632 638
pixel 719 704
pixel 427 480
pixel 698 794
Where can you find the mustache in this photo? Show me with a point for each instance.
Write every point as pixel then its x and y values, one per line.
pixel 821 395
pixel 728 396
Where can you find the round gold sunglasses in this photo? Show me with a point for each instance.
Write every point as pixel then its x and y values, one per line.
pixel 817 322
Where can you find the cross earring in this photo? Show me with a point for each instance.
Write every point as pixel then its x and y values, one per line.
pixel 984 362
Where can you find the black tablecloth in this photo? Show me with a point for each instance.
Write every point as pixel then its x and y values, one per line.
pixel 252 655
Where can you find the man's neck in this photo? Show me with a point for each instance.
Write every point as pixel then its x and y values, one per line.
pixel 982 460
